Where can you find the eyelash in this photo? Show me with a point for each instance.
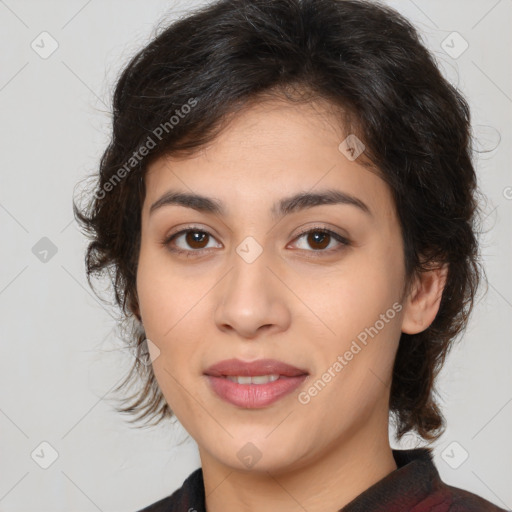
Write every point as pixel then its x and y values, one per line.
pixel 197 252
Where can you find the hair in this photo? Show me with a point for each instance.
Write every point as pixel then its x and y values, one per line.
pixel 367 62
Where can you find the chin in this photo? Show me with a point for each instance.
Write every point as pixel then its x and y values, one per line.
pixel 257 454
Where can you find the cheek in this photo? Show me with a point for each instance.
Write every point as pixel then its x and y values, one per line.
pixel 171 309
pixel 170 321
pixel 164 295
pixel 360 306
pixel 356 297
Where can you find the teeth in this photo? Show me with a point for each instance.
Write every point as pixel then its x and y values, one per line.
pixel 260 379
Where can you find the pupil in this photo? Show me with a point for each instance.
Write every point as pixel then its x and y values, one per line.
pixel 323 238
pixel 194 238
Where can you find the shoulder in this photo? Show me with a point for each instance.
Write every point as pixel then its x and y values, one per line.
pixel 416 485
pixel 460 500
pixel 188 498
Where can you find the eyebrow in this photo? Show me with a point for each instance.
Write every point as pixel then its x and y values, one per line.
pixel 292 204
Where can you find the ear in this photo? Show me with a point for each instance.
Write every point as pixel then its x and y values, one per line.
pixel 422 303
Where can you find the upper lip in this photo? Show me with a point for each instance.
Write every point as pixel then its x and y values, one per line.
pixel 253 368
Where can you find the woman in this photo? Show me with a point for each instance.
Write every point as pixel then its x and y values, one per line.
pixel 288 208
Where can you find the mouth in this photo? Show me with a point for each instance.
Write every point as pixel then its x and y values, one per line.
pixel 255 384
pixel 258 368
pixel 254 379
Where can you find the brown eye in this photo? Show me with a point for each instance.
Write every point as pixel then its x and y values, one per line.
pixel 196 239
pixel 318 239
pixel 321 240
pixel 190 241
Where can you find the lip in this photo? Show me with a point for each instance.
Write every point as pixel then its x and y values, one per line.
pixel 253 368
pixel 254 396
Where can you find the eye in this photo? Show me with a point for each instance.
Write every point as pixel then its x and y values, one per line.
pixel 322 240
pixel 189 241
pixel 193 241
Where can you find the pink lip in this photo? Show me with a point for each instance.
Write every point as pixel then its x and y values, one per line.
pixel 253 368
pixel 254 396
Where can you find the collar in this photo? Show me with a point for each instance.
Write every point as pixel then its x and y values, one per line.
pixel 415 485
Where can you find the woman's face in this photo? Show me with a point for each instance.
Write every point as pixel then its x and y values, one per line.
pixel 248 284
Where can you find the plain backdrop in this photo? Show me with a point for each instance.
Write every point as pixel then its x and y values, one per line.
pixel 60 355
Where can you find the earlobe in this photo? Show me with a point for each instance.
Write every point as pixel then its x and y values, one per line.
pixel 424 299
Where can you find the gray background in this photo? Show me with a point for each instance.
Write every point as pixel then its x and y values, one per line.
pixel 60 356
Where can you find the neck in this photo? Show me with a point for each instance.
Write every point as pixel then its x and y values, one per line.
pixel 337 476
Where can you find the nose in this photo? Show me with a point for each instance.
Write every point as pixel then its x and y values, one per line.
pixel 252 299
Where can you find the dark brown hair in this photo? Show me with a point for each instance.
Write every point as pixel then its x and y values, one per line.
pixel 361 57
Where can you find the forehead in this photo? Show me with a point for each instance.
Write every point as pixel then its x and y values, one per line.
pixel 268 151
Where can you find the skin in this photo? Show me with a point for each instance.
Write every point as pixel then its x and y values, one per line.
pixel 287 305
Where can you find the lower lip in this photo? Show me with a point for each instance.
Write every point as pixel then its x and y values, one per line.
pixel 254 396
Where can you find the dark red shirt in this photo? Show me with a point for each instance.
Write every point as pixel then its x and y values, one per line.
pixel 415 486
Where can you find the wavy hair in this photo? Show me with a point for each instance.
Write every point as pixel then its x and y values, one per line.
pixel 368 62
